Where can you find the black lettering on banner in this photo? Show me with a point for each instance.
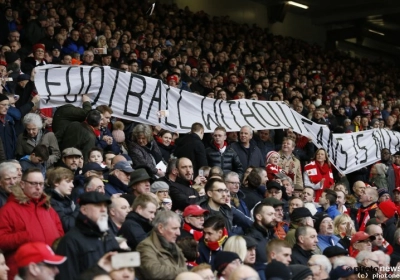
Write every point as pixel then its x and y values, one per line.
pixel 255 105
pixel 251 115
pixel 179 112
pixel 362 148
pixel 233 115
pixel 48 83
pixel 377 142
pixel 320 137
pixel 155 99
pixel 297 123
pixel 284 115
pixel 82 80
pixel 330 150
pixel 269 105
pixel 343 152
pixel 207 119
pixel 306 121
pixel 222 115
pixel 382 139
pixel 114 87
pixel 355 149
pixel 138 95
pixel 101 82
pixel 69 88
pixel 166 108
pixel 396 148
pixel 390 139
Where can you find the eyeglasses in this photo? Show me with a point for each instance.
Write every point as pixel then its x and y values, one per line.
pixel 234 183
pixel 35 184
pixel 221 191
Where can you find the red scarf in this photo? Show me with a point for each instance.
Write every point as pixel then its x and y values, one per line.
pixel 191 264
pixel 95 131
pixel 218 147
pixel 216 245
pixel 3 119
pixel 197 235
pixel 366 217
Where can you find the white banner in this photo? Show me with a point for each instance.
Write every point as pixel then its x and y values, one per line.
pixel 139 98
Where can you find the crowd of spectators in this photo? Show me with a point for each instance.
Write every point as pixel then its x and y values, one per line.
pixel 261 204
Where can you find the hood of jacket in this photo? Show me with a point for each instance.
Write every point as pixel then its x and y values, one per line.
pixel 145 223
pixel 20 197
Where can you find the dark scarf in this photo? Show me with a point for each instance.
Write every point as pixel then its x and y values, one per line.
pixel 170 247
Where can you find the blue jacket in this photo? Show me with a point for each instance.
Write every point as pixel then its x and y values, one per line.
pixel 100 143
pixel 114 186
pixel 8 137
pixel 332 211
pixel 205 254
pixel 325 241
pixel 241 222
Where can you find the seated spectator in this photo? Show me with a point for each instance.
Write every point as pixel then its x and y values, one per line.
pixel 385 215
pixel 204 270
pixel 33 135
pixel 117 211
pixel 139 184
pixel 7 130
pixel 8 178
pixel 360 241
pixel 324 226
pixel 90 169
pixel 60 185
pixel 328 203
pixel 334 252
pixel 189 248
pixel 254 192
pixel 118 179
pixel 193 220
pixel 379 244
pixel 70 159
pixel 160 257
pixel 232 182
pixel 160 189
pixel 320 266
pixel 37 159
pixel 306 243
pixel 225 263
pixel 299 217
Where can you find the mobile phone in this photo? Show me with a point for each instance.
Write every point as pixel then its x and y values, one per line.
pixel 201 173
pixel 121 260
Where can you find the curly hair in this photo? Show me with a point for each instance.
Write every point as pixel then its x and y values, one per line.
pixel 142 129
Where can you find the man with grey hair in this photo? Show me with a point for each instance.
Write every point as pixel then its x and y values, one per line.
pixel 349 261
pixel 367 258
pixel 320 266
pixel 160 257
pixel 232 182
pixel 8 178
pixel 247 150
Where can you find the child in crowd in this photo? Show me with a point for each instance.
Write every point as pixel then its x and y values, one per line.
pixel 272 166
pixel 96 155
pixel 37 159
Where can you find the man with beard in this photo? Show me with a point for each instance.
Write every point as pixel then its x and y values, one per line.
pixel 306 243
pixel 379 243
pixel 137 225
pixel 70 159
pixel 262 231
pixel 386 158
pixel 90 239
pixel 8 178
pixel 193 216
pixel 368 199
pixel 324 226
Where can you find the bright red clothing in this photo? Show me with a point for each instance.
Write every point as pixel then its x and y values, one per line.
pixel 272 169
pixel 22 221
pixel 316 173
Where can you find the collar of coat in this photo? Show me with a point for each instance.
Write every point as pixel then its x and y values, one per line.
pixel 19 196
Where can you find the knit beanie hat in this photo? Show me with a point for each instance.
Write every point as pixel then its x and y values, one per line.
pixel 319 217
pixel 118 132
pixel 299 271
pixel 270 154
pixel 382 192
pixel 223 259
pixel 388 208
pixel 276 270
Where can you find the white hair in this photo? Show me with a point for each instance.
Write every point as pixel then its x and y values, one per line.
pixel 33 118
pixel 361 256
pixel 323 261
pixel 7 167
pixel 345 260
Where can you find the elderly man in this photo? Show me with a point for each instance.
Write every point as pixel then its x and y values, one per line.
pixel 247 150
pixel 90 239
pixel 118 179
pixel 324 226
pixel 193 216
pixel 36 261
pixel 137 224
pixel 299 217
pixel 361 216
pixel 8 178
pixel 225 263
pixel 320 266
pixel 361 241
pixel 379 243
pixel 117 211
pixel 232 182
pixel 306 243
pixel 27 217
pixel 160 257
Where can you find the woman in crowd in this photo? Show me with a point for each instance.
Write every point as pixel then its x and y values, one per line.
pixel 165 144
pixel 343 227
pixel 33 135
pixel 318 173
pixel 143 149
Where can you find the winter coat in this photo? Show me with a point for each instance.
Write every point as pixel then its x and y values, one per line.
pixel 166 151
pixel 300 256
pixel 100 143
pixel 3 197
pixel 26 164
pixel 205 254
pixel 228 160
pixel 115 186
pixel 285 163
pixel 252 197
pixel 83 245
pixel 179 191
pixel 66 209
pixel 242 204
pixel 25 146
pixel 249 157
pixel 225 211
pixel 8 137
pixel 135 229
pixel 191 147
pixel 388 230
pixel 143 155
pixel 68 113
pixel 156 262
pixel 22 221
pixel 325 241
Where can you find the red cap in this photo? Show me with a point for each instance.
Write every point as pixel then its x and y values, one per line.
pixel 388 208
pixel 2 62
pixel 37 252
pixel 397 189
pixel 361 236
pixel 172 78
pixel 194 210
pixel 39 46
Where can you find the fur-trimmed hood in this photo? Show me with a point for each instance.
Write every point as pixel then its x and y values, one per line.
pixel 19 196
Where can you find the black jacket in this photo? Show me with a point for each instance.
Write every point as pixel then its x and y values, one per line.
pixel 389 228
pixel 192 148
pixel 166 151
pixel 65 208
pixel 179 192
pixel 300 256
pixel 252 197
pixel 228 160
pixel 83 245
pixel 135 229
pixel 248 157
pixel 262 236
pixel 225 211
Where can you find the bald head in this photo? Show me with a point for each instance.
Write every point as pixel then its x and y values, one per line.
pixel 188 275
pixel 244 272
pixel 117 159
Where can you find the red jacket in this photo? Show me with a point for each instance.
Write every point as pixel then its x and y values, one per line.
pixel 315 174
pixel 22 221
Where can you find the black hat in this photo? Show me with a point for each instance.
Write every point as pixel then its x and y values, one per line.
pixel 3 97
pixel 318 218
pixel 11 57
pixel 299 271
pixel 223 259
pixel 273 185
pixel 250 241
pixel 298 213
pixel 139 175
pixel 333 251
pixel 23 77
pixel 272 201
pixel 341 272
pixel 161 68
pixel 277 271
pixel 93 166
pixel 93 198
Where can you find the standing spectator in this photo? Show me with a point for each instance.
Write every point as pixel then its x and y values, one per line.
pixel 220 154
pixel 289 163
pixel 328 203
pixel 247 150
pixel 35 31
pixel 232 182
pixel 7 130
pixel 106 140
pixel 90 239
pixel 192 147
pixel 8 178
pixel 265 142
pixel 306 243
pixel 160 257
pixel 26 217
pixel 165 144
pixel 385 215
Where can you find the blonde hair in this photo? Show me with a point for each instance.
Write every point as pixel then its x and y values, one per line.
pixel 236 244
pixel 339 220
